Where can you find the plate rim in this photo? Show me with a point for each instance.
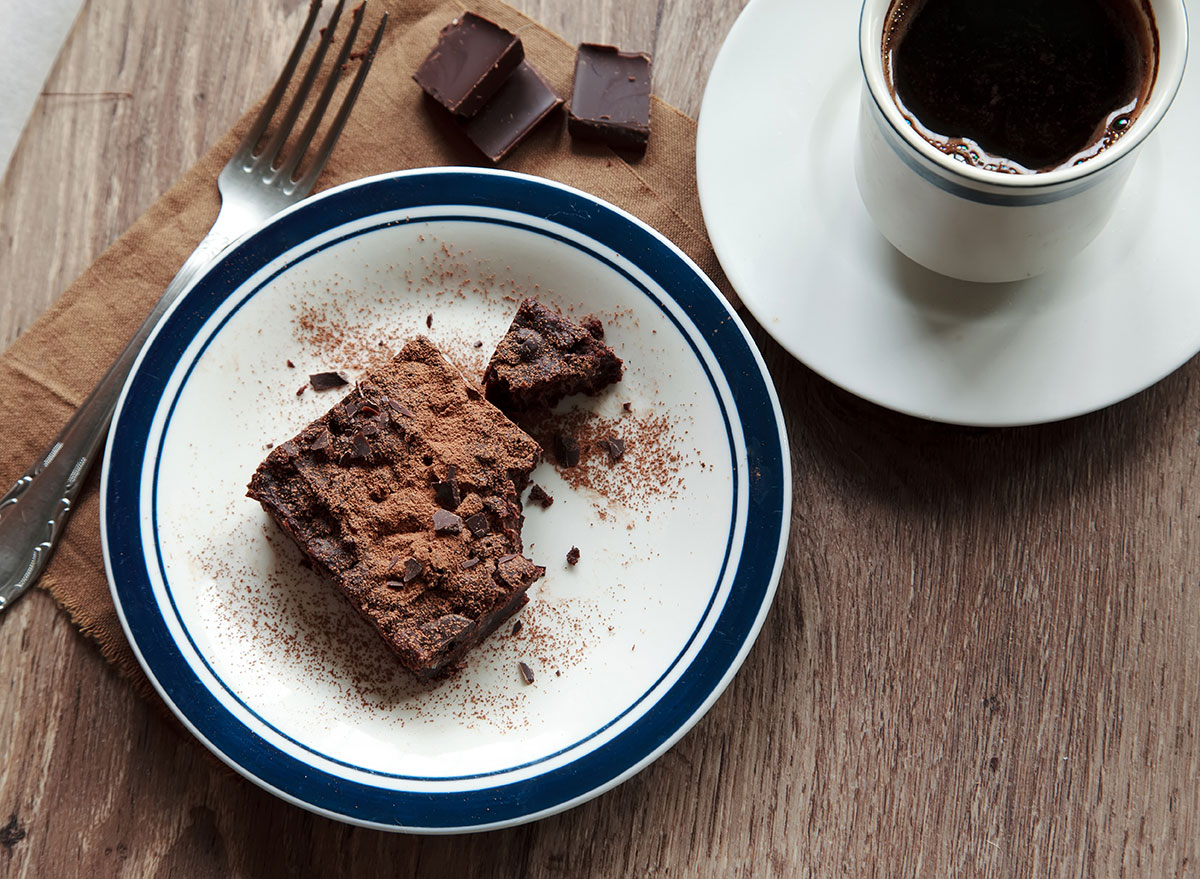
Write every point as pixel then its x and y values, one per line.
pixel 760 373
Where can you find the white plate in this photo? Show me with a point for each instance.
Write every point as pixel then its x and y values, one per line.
pixel 774 160
pixel 681 553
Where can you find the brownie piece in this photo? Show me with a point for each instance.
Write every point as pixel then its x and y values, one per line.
pixel 544 357
pixel 610 102
pixel 406 494
pixel 471 61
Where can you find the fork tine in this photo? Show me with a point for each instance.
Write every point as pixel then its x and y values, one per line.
pixel 304 184
pixel 284 173
pixel 271 151
pixel 246 148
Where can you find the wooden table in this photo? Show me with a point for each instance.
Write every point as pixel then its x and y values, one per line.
pixel 984 658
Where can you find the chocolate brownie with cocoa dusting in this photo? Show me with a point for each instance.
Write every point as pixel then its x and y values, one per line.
pixel 545 357
pixel 406 495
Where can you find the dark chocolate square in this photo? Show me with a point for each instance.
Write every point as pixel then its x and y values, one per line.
pixel 524 100
pixel 611 99
pixel 470 63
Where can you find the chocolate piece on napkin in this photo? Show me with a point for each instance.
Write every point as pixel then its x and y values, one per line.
pixel 61 357
pixel 471 61
pixel 522 102
pixel 611 99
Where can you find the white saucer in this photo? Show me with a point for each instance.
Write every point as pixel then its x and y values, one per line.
pixel 774 161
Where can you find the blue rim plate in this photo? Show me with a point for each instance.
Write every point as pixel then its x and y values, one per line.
pixel 267 667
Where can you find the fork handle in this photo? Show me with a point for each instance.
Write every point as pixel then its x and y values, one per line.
pixel 35 509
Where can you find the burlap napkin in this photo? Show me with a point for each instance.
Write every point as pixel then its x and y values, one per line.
pixel 51 368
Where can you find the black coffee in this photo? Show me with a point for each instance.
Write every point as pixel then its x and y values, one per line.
pixel 1020 85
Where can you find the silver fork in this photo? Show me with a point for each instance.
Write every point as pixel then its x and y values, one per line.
pixel 252 188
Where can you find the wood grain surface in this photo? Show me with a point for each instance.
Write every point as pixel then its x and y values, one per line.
pixel 984 658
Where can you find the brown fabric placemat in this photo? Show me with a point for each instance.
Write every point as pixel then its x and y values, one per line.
pixel 63 355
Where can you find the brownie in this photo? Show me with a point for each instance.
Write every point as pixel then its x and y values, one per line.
pixel 406 495
pixel 545 357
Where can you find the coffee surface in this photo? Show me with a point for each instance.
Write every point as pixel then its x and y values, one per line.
pixel 1020 85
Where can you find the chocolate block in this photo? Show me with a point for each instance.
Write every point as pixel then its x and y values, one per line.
pixel 544 357
pixel 611 99
pixel 523 101
pixel 364 489
pixel 472 59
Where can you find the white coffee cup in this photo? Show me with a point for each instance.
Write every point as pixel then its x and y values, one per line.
pixel 979 225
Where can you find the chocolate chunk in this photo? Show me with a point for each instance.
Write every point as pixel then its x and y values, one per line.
pixel 524 101
pixel 611 99
pixel 526 672
pixel 478 343
pixel 361 447
pixel 528 346
pixel 399 408
pixel 566 450
pixel 448 494
pixel 321 440
pixel 429 321
pixel 325 381
pixel 412 569
pixel 445 522
pixel 628 407
pixel 615 448
pixel 290 364
pixel 538 495
pixel 471 61
pixel 573 556
pixel 301 390
pixel 351 408
pixel 516 629
pixel 470 563
pixel 478 525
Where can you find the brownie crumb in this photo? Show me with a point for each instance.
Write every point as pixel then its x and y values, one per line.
pixel 566 450
pixel 593 326
pixel 539 496
pixel 445 522
pixel 326 381
pixel 526 672
pixel 545 357
pixel 573 556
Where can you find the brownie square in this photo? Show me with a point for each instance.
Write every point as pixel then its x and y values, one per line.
pixel 406 495
pixel 545 357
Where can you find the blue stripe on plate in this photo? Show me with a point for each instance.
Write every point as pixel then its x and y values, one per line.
pixel 753 578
